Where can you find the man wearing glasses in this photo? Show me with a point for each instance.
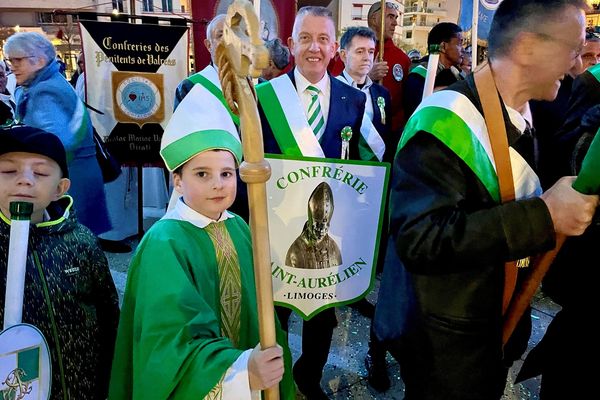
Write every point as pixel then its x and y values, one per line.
pixel 453 234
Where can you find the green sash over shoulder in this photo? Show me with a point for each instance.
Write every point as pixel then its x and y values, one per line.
pixel 455 121
pixel 285 114
pixel 203 78
pixel 420 70
pixel 595 70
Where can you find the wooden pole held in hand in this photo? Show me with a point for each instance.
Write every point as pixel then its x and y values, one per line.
pixel 240 56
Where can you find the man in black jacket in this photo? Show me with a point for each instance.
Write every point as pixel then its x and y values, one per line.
pixel 453 234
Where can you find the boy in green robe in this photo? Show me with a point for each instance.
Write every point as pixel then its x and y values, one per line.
pixel 189 325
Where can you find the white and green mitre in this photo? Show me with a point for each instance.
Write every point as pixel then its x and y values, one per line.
pixel 453 119
pixel 209 78
pixel 200 123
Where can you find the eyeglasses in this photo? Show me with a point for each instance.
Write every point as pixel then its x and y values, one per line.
pixel 16 60
pixel 576 48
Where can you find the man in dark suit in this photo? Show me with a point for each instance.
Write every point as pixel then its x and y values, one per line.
pixel 312 45
pixel 305 112
pixel 357 51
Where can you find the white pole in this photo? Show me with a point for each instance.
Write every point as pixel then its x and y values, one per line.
pixel 17 262
pixel 432 66
pixel 474 26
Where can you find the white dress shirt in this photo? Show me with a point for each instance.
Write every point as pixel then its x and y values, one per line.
pixel 324 85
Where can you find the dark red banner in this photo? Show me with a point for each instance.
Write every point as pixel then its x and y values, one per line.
pixel 277 19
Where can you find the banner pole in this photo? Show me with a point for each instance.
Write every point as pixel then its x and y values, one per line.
pixel 381 31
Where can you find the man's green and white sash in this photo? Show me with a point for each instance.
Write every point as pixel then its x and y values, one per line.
pixel 455 121
pixel 371 146
pixel 209 78
pixel 420 70
pixel 79 128
pixel 595 71
pixel 285 114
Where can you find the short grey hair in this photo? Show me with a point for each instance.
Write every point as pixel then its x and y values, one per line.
pixel 280 54
pixel 213 25
pixel 515 16
pixel 315 11
pixel 376 7
pixel 30 44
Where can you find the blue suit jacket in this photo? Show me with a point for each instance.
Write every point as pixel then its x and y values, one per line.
pixel 346 108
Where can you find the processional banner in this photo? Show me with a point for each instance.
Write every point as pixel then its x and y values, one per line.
pixel 131 74
pixel 325 219
pixel 487 8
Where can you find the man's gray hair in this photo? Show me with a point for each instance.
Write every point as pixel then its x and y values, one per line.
pixel 213 25
pixel 376 7
pixel 315 11
pixel 516 16
pixel 30 44
pixel 280 54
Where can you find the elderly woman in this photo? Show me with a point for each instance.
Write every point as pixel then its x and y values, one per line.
pixel 45 100
pixel 279 58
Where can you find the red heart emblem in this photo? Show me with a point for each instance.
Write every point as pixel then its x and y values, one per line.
pixel 132 96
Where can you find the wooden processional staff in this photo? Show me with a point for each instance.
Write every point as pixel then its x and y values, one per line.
pixel 381 31
pixel 241 56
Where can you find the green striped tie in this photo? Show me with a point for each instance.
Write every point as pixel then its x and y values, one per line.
pixel 230 286
pixel 315 114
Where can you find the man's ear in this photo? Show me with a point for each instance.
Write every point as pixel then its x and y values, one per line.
pixel 373 21
pixel 524 48
pixel 63 185
pixel 290 43
pixel 343 55
pixel 207 44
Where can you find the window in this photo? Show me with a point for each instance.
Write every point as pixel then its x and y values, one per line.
pixel 117 5
pixel 51 18
pixel 148 5
pixel 167 5
pixel 356 12
pixel 409 34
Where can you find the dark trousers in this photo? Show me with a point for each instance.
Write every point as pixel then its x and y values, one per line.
pixel 316 342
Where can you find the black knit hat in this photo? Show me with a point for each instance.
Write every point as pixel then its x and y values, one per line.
pixel 22 138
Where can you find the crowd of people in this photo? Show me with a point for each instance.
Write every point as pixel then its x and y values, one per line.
pixel 455 228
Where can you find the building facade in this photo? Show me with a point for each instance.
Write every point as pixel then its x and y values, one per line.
pixel 420 16
pixel 57 19
pixel 354 13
